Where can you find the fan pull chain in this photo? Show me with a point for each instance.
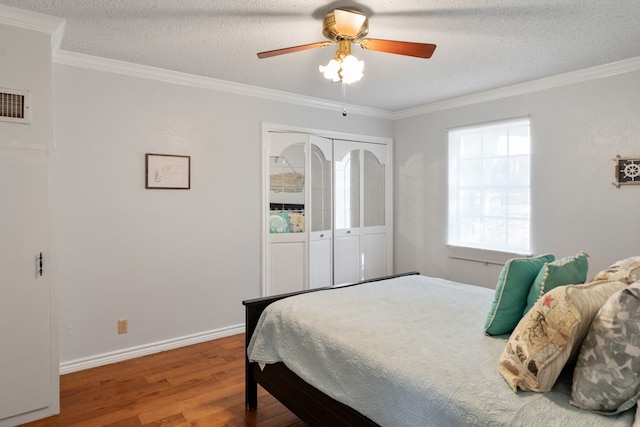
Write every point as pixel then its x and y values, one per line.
pixel 344 97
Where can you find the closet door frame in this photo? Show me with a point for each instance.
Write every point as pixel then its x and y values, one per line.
pixel 266 128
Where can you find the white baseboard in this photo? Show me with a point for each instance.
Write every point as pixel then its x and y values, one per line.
pixel 143 350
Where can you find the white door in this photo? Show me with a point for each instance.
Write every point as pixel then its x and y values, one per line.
pixel 286 229
pixel 375 236
pixel 320 212
pixel 25 302
pixel 347 246
pixel 362 237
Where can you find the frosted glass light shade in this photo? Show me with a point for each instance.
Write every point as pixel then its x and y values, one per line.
pixel 349 70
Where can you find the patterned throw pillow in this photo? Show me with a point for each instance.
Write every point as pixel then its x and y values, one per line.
pixel 625 271
pixel 550 333
pixel 565 271
pixel 512 289
pixel 278 222
pixel 296 222
pixel 607 375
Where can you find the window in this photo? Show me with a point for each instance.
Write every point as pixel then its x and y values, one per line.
pixel 489 205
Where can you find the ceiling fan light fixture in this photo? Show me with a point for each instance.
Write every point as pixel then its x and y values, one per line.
pixel 346 70
pixel 331 71
pixel 351 69
pixel 344 67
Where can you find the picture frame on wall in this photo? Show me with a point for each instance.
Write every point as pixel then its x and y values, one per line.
pixel 167 171
pixel 627 171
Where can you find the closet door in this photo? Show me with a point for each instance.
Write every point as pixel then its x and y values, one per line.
pixel 320 212
pixel 27 374
pixel 286 229
pixel 347 187
pixel 334 226
pixel 374 236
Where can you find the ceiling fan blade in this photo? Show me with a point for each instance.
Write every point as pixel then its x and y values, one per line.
pixel 348 23
pixel 420 50
pixel 292 49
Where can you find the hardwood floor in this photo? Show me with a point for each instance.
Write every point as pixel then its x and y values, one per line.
pixel 198 385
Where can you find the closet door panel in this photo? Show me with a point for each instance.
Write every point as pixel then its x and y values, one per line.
pixel 347 185
pixel 320 181
pixel 347 259
pixel 320 271
pixel 286 267
pixel 374 189
pixel 375 233
pixel 374 248
pixel 286 227
pixel 320 212
pixel 347 199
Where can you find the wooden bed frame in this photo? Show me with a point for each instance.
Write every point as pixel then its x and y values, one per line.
pixel 308 403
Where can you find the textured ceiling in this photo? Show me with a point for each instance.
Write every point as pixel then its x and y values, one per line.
pixel 482 44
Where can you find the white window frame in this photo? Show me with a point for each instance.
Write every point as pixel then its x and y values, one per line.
pixel 516 153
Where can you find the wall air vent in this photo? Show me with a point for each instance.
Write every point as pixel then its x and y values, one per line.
pixel 14 106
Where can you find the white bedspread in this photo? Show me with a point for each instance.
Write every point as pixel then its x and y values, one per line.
pixel 409 352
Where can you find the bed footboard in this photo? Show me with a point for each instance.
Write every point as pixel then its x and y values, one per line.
pixel 253 310
pixel 308 403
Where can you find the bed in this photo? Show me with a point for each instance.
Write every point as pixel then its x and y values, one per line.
pixel 406 350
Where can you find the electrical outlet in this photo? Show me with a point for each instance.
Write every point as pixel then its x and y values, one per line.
pixel 123 326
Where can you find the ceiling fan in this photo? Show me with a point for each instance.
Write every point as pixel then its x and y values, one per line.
pixel 349 25
pixel 345 27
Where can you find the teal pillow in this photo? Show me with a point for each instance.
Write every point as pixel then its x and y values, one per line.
pixel 565 271
pixel 512 289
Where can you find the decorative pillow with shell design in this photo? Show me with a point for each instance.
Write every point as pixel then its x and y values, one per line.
pixel 626 271
pixel 551 333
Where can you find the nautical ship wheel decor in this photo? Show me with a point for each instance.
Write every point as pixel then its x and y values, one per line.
pixel 627 171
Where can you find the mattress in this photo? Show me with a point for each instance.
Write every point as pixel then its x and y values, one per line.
pixel 409 351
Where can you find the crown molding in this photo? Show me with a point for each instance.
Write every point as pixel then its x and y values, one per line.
pixel 175 77
pixel 600 71
pixel 34 21
pixel 154 73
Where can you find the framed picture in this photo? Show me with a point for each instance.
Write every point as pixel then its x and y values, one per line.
pixel 627 171
pixel 167 171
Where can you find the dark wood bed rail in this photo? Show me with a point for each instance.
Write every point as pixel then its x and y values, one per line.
pixel 312 406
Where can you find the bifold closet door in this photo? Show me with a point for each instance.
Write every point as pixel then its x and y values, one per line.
pixel 287 252
pixel 347 187
pixel 342 206
pixel 374 236
pixel 361 235
pixel 320 212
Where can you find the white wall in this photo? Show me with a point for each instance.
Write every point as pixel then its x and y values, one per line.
pixel 32 73
pixel 175 263
pixel 576 131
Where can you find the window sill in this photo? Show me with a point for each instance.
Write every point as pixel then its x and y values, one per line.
pixel 485 256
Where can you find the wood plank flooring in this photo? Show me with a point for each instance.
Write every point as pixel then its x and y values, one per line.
pixel 199 385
